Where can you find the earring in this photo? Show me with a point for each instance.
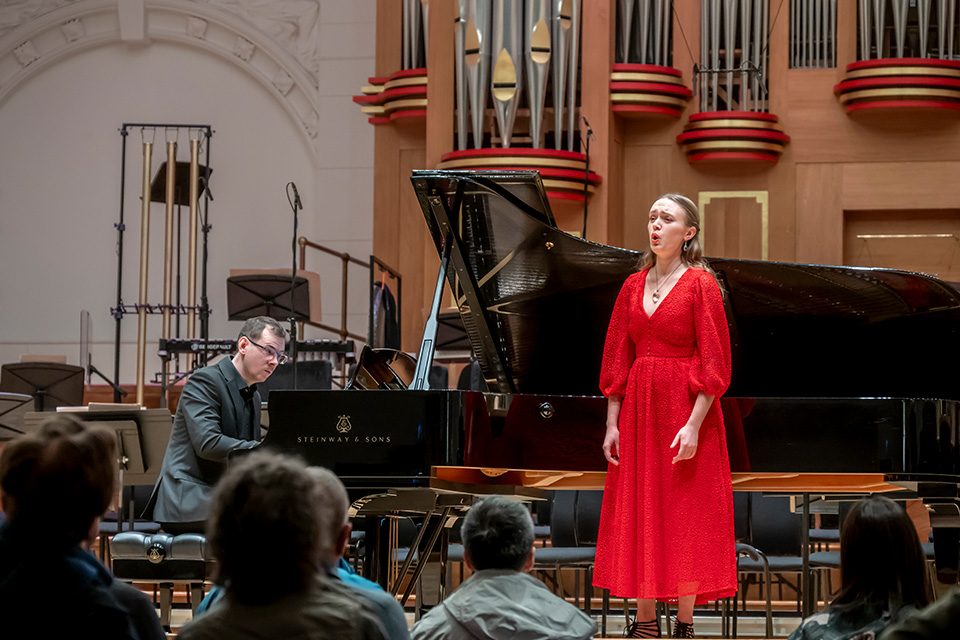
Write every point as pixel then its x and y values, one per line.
pixel 686 245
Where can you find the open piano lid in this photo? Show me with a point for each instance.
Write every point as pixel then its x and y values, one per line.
pixel 536 301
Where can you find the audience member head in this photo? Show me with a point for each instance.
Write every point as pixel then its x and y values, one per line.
pixel 265 527
pixel 57 482
pixel 498 534
pixel 881 560
pixel 333 505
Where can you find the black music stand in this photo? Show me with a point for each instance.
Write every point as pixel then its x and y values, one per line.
pixel 268 295
pixel 12 408
pixel 52 384
pixel 181 181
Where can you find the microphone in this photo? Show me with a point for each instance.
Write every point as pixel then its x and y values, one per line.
pixel 587 124
pixel 296 197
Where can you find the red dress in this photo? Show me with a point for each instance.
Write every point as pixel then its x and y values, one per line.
pixel 666 530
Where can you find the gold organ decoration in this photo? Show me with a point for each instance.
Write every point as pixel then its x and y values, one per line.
pixel 504 77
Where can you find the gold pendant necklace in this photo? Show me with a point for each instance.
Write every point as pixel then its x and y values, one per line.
pixel 656 274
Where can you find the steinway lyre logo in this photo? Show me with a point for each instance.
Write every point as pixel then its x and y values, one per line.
pixel 343 424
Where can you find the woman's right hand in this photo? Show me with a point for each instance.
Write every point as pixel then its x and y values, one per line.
pixel 611 446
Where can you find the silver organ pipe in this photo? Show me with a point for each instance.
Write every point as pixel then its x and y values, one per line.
pixel 537 56
pixel 507 79
pixel 561 62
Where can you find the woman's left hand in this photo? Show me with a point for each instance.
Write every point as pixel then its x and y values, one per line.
pixel 687 440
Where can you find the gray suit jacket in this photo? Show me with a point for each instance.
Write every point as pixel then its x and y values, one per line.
pixel 205 430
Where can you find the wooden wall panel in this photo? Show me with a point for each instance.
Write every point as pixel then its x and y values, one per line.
pixel 847 26
pixel 597 46
pixel 820 213
pixel 733 227
pixel 386 195
pixel 821 131
pixel 412 242
pixel 901 185
pixel 441 103
pixel 389 54
pixel 649 171
pixel 927 241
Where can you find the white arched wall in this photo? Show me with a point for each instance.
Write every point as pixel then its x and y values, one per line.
pixel 60 187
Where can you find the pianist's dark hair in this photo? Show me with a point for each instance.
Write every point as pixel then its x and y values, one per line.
pixel 692 256
pixel 882 564
pixel 266 527
pixel 56 481
pixel 253 328
pixel 497 534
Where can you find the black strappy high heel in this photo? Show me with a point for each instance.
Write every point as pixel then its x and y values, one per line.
pixel 682 629
pixel 648 629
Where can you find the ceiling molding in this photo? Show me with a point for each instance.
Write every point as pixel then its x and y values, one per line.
pixel 41 42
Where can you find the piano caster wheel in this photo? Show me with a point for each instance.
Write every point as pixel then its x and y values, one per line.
pixel 546 410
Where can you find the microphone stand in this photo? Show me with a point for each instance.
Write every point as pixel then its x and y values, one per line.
pixel 296 205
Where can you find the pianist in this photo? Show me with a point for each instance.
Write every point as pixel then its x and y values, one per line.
pixel 218 412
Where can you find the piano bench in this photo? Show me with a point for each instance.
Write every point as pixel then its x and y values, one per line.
pixel 163 560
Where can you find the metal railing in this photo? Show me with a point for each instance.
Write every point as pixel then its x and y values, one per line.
pixel 346 259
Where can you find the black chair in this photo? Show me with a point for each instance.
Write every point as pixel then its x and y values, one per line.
pixel 574 525
pixel 823 562
pixel 753 558
pixel 769 526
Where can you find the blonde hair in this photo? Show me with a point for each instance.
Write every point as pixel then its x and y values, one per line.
pixel 692 253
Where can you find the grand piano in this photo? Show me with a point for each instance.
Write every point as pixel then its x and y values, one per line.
pixel 844 379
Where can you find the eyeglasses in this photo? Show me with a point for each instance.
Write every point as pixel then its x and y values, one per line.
pixel 281 357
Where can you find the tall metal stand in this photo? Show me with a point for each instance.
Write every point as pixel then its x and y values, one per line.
pixel 121 309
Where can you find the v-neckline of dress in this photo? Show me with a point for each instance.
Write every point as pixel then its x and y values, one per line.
pixel 663 301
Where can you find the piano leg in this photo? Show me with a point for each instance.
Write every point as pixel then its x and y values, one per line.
pixel 434 526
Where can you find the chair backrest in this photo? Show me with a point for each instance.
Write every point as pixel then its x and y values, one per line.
pixel 588 517
pixel 544 510
pixel 776 529
pixel 575 518
pixel 563 529
pixel 741 516
pixel 471 378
